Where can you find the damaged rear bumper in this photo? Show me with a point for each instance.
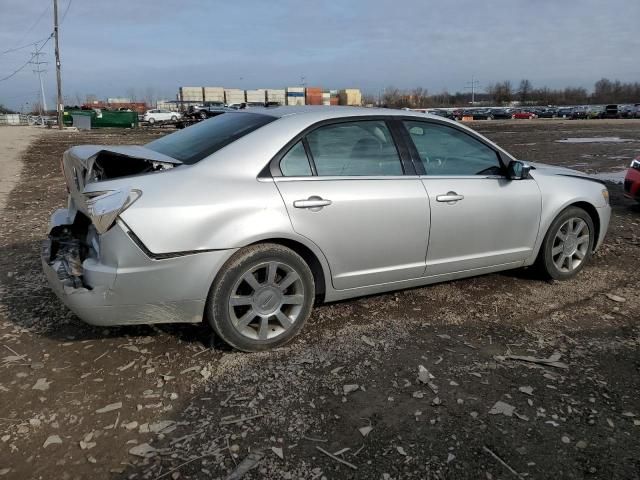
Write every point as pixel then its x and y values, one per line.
pixel 114 282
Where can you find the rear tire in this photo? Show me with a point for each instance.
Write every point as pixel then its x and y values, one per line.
pixel 261 298
pixel 568 244
pixel 174 119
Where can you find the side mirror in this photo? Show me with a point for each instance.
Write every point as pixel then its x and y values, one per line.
pixel 518 170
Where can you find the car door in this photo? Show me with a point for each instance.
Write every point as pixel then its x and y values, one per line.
pixel 347 189
pixel 479 218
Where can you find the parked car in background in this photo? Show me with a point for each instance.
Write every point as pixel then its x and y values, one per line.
pixel 579 113
pixel 478 113
pixel 521 113
pixel 207 110
pixel 161 116
pixel 544 112
pixel 629 111
pixel 595 111
pixel 249 218
pixel 565 112
pixel 500 113
pixel 611 111
pixel 632 181
pixel 439 112
pixel 457 113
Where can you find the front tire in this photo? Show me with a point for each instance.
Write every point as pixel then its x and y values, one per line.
pixel 152 121
pixel 261 298
pixel 568 244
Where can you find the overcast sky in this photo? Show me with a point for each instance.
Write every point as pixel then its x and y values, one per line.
pixel 110 47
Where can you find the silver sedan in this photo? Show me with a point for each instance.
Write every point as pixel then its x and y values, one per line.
pixel 246 219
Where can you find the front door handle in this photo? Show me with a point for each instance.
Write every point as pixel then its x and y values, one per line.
pixel 312 202
pixel 450 197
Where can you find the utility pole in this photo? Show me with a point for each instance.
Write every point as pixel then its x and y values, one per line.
pixel 473 86
pixel 35 59
pixel 56 31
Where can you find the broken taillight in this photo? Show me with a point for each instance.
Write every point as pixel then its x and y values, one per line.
pixel 104 207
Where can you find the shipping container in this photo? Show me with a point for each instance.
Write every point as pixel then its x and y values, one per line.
pixel 256 96
pixel 214 94
pixel 351 97
pixel 276 95
pixel 191 94
pixel 326 98
pixel 295 96
pixel 334 101
pixel 313 96
pixel 234 96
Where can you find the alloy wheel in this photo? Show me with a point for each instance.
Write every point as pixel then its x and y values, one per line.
pixel 570 245
pixel 266 300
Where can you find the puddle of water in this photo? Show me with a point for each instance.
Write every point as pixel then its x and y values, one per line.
pixel 594 140
pixel 615 177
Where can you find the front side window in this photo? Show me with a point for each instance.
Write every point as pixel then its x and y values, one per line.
pixel 354 149
pixel 444 150
pixel 295 163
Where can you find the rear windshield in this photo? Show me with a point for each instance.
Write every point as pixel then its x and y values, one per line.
pixel 201 140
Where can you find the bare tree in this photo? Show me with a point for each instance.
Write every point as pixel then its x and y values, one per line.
pixel 524 90
pixel 149 96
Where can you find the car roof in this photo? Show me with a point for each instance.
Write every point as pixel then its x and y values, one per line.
pixel 323 112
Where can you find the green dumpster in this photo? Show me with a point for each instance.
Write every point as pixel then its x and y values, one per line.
pixel 104 118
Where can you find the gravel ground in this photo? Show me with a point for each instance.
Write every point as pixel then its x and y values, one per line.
pixel 426 383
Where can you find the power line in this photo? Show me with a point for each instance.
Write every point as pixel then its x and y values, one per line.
pixel 65 12
pixel 28 61
pixel 23 46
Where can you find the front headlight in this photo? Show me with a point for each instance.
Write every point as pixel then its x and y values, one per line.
pixel 635 164
pixel 605 195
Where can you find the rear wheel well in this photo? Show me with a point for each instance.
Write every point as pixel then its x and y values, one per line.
pixel 309 257
pixel 593 213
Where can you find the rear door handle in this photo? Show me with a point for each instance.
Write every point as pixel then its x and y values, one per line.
pixel 313 202
pixel 450 197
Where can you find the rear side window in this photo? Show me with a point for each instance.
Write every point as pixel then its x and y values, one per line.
pixel 444 150
pixel 354 148
pixel 295 163
pixel 202 139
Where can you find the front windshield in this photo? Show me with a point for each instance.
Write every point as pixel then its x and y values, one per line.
pixel 201 140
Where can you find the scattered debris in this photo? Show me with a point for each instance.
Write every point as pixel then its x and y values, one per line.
pixel 278 452
pixel 331 455
pixel 502 462
pixel 368 341
pixel 615 298
pixel 52 440
pixel 352 387
pixel 41 384
pixel 401 451
pixel 241 419
pixel 502 408
pixel 250 462
pixel 163 426
pixel 424 376
pixel 110 408
pixel 552 361
pixel 143 450
pixel 526 390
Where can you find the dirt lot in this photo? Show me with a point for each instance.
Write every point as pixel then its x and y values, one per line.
pixel 170 402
